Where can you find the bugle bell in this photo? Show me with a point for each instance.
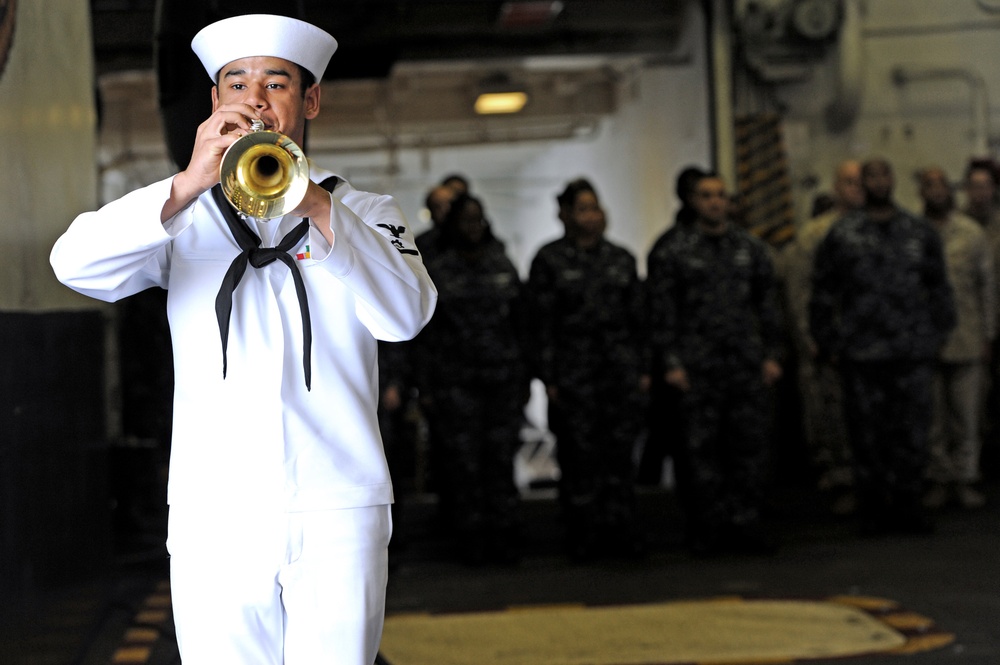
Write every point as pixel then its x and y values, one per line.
pixel 264 174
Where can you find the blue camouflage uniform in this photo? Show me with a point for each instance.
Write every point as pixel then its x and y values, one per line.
pixel 473 377
pixel 881 308
pixel 715 313
pixel 587 318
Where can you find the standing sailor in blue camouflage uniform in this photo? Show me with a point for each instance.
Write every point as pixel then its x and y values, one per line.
pixel 474 382
pixel 662 415
pixel 881 309
pixel 716 329
pixel 588 323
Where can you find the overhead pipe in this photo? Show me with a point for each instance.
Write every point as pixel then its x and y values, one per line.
pixel 843 110
pixel 720 31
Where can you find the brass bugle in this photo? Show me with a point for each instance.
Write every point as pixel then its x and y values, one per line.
pixel 264 174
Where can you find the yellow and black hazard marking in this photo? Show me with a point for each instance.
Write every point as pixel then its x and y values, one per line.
pixel 146 628
pixel 716 631
pixel 763 178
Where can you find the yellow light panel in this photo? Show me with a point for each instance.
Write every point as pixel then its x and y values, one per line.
pixel 500 102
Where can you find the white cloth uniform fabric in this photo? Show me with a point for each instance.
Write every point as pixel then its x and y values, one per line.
pixel 249 35
pixel 278 588
pixel 259 441
pixel 259 437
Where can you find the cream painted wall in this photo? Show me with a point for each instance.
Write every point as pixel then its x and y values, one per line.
pixel 941 120
pixel 48 148
pixel 632 159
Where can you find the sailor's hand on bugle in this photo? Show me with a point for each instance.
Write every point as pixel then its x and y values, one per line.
pixel 224 127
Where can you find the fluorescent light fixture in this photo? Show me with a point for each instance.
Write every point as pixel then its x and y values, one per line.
pixel 500 102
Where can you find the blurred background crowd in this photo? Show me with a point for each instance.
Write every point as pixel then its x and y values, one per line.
pixel 863 346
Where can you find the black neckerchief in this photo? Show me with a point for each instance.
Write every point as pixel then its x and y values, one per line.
pixel 258 257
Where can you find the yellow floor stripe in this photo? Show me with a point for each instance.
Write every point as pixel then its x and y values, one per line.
pixel 922 643
pixel 152 616
pixel 138 635
pixel 866 603
pixel 158 600
pixel 140 638
pixel 131 655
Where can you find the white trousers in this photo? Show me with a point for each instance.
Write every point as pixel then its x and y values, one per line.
pixel 272 588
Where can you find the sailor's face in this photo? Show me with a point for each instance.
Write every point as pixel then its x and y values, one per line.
pixel 471 224
pixel 935 189
pixel 273 87
pixel 587 214
pixel 710 200
pixel 980 188
pixel 878 181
